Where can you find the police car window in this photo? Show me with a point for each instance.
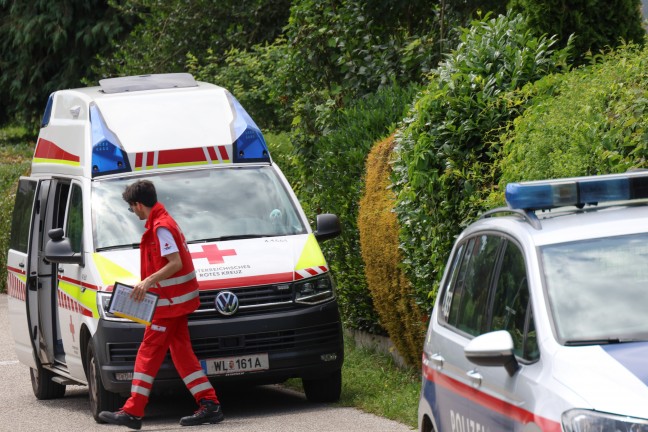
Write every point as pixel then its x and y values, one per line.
pixel 208 204
pixel 597 289
pixel 469 305
pixel 449 294
pixel 511 298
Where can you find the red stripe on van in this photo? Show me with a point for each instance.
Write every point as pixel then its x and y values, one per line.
pixel 48 150
pixel 166 157
pixel 223 153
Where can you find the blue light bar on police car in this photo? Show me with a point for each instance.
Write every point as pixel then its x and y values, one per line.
pixel 577 191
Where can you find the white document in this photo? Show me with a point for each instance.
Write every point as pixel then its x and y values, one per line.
pixel 122 305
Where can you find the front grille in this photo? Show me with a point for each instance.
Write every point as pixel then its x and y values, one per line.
pixel 225 346
pixel 252 300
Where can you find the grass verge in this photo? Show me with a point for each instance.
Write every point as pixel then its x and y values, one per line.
pixel 374 383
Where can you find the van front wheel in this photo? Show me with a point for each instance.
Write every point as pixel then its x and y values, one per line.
pixel 325 389
pixel 43 386
pixel 100 398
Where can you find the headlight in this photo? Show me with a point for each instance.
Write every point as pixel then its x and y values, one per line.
pixel 103 300
pixel 314 290
pixel 593 421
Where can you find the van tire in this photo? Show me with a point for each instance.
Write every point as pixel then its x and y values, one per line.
pixel 100 398
pixel 325 389
pixel 43 386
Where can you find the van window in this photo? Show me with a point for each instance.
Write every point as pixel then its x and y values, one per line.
pixel 74 226
pixel 21 219
pixel 209 205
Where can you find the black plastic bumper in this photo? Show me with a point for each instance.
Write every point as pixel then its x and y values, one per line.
pixel 300 343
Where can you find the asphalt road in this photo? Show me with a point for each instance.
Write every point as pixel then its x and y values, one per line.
pixel 266 408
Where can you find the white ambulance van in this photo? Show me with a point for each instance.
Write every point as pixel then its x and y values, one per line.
pixel 268 310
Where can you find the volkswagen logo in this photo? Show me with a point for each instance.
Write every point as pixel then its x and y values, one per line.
pixel 227 303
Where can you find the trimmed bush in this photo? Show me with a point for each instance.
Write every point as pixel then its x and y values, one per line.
pixel 390 289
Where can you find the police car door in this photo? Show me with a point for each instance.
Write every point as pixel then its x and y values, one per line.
pixel 25 294
pixel 507 396
pixel 486 291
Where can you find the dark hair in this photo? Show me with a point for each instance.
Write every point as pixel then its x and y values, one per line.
pixel 142 191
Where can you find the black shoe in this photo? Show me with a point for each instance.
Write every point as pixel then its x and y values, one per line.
pixel 209 412
pixel 121 418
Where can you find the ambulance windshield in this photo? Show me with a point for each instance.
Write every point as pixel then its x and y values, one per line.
pixel 209 205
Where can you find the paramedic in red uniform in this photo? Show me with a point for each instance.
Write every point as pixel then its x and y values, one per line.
pixel 167 270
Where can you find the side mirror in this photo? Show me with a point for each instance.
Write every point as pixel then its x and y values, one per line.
pixel 493 349
pixel 328 226
pixel 59 250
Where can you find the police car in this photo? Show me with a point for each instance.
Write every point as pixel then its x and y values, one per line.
pixel 540 323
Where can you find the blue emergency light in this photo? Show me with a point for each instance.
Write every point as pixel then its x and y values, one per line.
pixel 577 191
pixel 48 111
pixel 107 156
pixel 249 144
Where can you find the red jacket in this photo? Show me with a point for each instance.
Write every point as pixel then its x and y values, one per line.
pixel 179 293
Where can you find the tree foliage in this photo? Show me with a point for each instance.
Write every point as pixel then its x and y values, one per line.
pixel 168 30
pixel 48 45
pixel 597 24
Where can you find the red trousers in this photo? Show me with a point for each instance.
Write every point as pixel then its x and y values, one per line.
pixel 162 335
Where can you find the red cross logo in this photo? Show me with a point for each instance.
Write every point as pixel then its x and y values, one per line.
pixel 71 328
pixel 213 254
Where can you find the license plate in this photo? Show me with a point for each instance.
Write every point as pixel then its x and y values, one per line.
pixel 236 365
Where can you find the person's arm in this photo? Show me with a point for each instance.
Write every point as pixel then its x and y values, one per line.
pixel 173 266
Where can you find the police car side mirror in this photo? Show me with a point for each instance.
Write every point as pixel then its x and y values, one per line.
pixel 59 250
pixel 493 349
pixel 328 226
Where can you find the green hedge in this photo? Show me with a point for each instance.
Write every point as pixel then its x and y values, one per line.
pixel 336 184
pixel 447 146
pixel 593 120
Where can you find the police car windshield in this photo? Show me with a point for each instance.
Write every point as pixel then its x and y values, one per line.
pixel 598 289
pixel 208 205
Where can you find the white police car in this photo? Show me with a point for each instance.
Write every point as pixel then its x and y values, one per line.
pixel 541 322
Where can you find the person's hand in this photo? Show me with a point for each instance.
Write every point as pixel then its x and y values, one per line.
pixel 139 290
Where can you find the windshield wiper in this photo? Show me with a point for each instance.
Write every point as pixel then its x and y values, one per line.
pixel 124 246
pixel 231 237
pixel 604 341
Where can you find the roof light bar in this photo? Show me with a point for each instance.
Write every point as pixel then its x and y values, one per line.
pixel 107 155
pixel 48 111
pixel 249 144
pixel 577 191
